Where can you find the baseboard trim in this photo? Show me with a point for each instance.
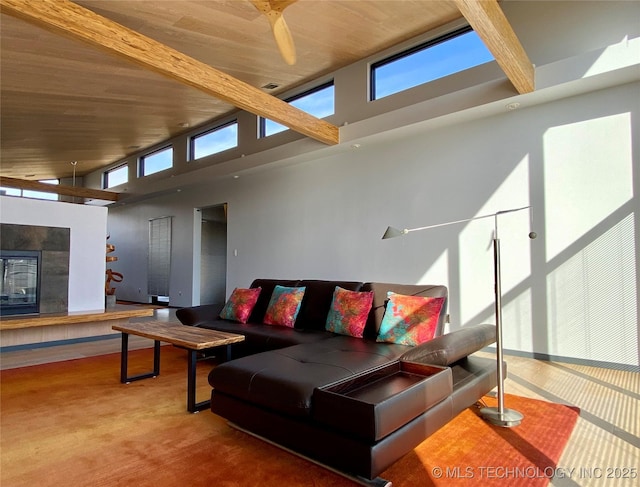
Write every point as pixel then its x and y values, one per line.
pixel 568 360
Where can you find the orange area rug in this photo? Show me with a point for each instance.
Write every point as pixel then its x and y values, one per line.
pixel 73 424
pixel 469 451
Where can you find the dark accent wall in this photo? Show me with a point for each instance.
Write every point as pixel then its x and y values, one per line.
pixel 54 244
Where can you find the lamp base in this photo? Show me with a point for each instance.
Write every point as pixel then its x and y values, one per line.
pixel 507 419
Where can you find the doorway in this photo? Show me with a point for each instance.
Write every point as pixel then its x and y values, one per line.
pixel 213 255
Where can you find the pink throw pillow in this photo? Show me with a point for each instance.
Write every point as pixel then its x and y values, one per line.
pixel 240 304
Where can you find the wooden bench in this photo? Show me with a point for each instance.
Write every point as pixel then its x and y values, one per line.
pixel 42 328
pixel 52 319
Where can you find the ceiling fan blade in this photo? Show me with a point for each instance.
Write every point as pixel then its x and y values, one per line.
pixel 281 4
pixel 283 38
pixel 273 9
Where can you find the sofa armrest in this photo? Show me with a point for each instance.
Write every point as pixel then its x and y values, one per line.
pixel 451 347
pixel 195 315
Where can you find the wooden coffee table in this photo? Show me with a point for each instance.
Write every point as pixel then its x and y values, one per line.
pixel 192 338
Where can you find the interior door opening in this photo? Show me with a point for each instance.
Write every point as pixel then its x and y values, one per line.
pixel 213 255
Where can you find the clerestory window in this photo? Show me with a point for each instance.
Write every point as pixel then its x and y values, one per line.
pixel 445 55
pixel 218 139
pixel 156 161
pixel 116 176
pixel 319 102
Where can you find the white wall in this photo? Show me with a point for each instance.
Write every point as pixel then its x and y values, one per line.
pixel 571 292
pixel 568 151
pixel 87 247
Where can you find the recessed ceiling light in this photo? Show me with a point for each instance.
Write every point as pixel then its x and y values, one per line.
pixel 184 125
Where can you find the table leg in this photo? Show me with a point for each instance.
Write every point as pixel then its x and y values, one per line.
pixel 124 358
pixel 192 405
pixel 156 358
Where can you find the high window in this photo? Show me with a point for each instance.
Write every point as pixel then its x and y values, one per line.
pixel 28 193
pixel 116 176
pixel 213 141
pixel 440 57
pixel 156 161
pixel 319 102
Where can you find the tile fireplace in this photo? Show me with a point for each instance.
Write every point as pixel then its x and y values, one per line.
pixel 19 282
pixel 35 269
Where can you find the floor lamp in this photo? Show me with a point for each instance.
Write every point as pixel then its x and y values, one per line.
pixel 499 415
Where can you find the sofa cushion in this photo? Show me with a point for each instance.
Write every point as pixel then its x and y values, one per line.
pixel 317 301
pixel 284 379
pixel 240 304
pixel 349 311
pixel 409 320
pixel 380 290
pixel 284 306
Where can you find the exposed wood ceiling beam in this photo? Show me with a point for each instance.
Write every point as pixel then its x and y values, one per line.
pixel 79 192
pixel 74 21
pixel 488 20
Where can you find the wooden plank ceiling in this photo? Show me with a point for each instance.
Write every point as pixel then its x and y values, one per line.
pixel 63 100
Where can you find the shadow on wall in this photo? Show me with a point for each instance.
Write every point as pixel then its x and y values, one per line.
pixel 572 292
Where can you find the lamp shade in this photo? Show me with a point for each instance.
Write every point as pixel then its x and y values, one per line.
pixel 393 232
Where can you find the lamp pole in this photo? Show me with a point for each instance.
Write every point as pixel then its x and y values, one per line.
pixel 499 415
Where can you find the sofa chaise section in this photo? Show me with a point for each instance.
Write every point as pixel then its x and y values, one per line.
pixel 293 426
pixel 284 380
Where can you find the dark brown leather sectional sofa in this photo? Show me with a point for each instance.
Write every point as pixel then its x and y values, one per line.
pixel 353 404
